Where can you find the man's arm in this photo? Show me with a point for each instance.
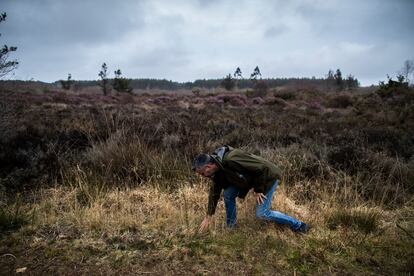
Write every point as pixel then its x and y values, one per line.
pixel 213 197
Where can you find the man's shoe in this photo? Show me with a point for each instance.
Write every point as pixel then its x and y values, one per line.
pixel 303 228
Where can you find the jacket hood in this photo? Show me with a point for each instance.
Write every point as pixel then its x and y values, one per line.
pixel 218 154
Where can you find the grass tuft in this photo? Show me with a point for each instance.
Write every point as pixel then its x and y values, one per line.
pixel 364 220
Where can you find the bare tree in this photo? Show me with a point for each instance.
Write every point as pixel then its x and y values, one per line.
pixel 6 65
pixel 407 71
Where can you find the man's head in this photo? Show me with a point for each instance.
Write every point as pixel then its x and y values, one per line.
pixel 205 165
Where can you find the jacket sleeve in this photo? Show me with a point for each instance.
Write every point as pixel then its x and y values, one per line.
pixel 213 197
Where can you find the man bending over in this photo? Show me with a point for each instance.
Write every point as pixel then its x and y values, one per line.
pixel 236 172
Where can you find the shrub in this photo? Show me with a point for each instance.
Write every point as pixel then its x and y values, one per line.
pixel 228 83
pixel 124 158
pixel 11 221
pixel 275 101
pixel 364 220
pixel 67 84
pixel 259 90
pixel 235 100
pixel 285 95
pixel 340 101
pixel 302 164
pixel 12 217
pixel 345 158
pixel 214 100
pixel 392 88
pixel 257 100
pixel 160 100
pixel 314 105
pixel 385 179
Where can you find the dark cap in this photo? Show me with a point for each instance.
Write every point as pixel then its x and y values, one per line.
pixel 201 160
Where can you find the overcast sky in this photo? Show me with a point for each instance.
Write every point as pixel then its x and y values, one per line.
pixel 195 39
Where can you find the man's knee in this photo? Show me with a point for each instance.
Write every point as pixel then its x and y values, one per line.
pixel 229 195
pixel 262 213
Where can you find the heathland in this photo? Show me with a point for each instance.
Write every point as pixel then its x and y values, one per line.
pixel 93 184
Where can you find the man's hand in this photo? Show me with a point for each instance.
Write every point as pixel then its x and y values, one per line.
pixel 260 198
pixel 204 224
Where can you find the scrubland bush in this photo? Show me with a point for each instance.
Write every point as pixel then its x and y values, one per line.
pixel 275 101
pixel 257 100
pixel 121 144
pixel 259 90
pixel 340 101
pixel 123 160
pixel 285 95
pixel 228 83
pixel 393 88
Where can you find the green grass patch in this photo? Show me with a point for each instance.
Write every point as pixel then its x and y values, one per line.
pixel 12 217
pixel 363 220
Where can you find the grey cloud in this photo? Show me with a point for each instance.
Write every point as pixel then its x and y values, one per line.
pixel 275 31
pixel 61 22
pixel 183 40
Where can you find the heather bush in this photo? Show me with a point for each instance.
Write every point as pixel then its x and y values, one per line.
pixel 259 90
pixel 123 159
pixel 160 100
pixel 275 101
pixel 340 101
pixel 257 100
pixel 234 100
pixel 214 100
pixel 26 157
pixel 314 105
pixel 120 139
pixel 285 95
pixel 346 158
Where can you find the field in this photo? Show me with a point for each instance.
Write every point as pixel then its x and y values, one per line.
pixel 93 184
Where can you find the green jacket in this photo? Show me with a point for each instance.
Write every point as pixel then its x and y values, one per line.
pixel 243 170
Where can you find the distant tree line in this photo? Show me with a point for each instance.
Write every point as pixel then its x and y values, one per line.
pixel 339 81
pixel 164 84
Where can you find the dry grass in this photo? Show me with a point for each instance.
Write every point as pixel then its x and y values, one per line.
pixel 149 229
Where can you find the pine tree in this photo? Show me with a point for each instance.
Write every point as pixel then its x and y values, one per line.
pixel 104 84
pixel 256 73
pixel 67 84
pixel 121 84
pixel 6 65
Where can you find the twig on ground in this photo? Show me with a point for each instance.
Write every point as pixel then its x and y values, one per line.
pixel 399 226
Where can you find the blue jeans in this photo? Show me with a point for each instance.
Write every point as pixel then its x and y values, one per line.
pixel 262 210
